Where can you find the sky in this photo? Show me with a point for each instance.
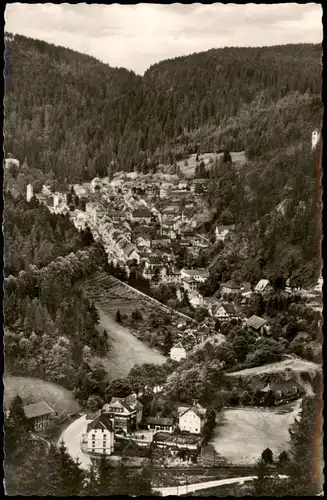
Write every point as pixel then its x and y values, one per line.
pixel 136 36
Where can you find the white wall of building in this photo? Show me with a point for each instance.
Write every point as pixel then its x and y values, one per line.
pixel 190 422
pixel 100 441
pixel 177 353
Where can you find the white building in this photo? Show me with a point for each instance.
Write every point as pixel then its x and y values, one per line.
pixel 55 200
pixel 99 437
pixel 9 162
pixel 29 192
pixel 200 275
pixel 156 424
pixel 177 352
pixel 195 298
pixel 263 286
pixel 126 412
pixel 221 232
pixel 315 139
pixel 96 185
pixel 224 312
pixel 191 419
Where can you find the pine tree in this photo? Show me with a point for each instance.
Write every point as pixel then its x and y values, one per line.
pixel 118 317
pixel 71 475
pixel 17 418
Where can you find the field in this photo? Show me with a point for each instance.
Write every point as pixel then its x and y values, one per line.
pixel 242 434
pixel 125 349
pixel 238 158
pixel 34 390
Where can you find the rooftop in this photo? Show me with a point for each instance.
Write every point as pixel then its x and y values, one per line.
pixel 196 272
pixel 229 308
pixel 101 422
pixel 230 284
pixel 176 438
pixel 159 421
pixel 37 410
pixel 142 213
pixel 178 346
pixel 255 322
pixel 261 285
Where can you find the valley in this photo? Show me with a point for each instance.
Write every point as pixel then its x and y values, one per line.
pixel 163 281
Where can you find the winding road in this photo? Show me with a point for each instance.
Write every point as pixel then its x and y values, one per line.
pixel 72 438
pixel 125 349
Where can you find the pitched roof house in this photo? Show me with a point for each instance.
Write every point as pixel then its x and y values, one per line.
pixel 99 437
pixel 263 286
pixel 230 287
pixel 177 352
pixel 224 311
pixel 191 418
pixel 222 231
pixel 38 414
pixel 125 412
pixel 201 275
pixel 195 298
pixel 130 252
pixel 256 323
pixel 160 424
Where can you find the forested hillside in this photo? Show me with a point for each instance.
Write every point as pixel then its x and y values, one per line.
pixel 72 114
pixel 73 117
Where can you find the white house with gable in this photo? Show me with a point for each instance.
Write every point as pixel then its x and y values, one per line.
pixel 177 352
pixel 99 437
pixel 263 286
pixel 191 419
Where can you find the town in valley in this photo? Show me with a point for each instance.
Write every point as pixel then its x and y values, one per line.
pixel 162 318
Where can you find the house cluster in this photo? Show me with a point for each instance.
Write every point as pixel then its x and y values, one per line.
pixel 273 392
pixel 123 419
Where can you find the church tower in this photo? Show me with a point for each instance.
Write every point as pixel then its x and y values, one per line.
pixel 315 139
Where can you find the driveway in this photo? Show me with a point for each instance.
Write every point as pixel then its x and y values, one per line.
pixel 72 438
pixel 125 349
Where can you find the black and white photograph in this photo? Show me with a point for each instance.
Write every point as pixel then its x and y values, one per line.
pixel 162 261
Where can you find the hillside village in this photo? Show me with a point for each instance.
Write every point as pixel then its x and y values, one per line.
pixel 153 225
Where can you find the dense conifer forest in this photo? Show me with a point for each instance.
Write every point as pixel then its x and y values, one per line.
pixel 71 114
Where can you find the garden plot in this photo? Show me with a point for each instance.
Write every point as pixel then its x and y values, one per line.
pixel 242 434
